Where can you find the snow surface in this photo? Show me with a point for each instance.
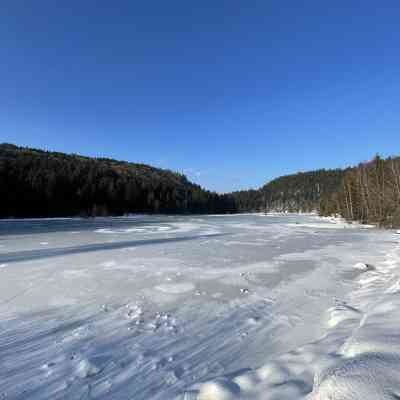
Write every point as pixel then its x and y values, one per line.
pixel 199 308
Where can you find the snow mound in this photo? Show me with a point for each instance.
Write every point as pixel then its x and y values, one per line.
pixel 247 382
pixel 369 376
pixel 86 369
pixel 273 373
pixel 363 267
pixel 219 390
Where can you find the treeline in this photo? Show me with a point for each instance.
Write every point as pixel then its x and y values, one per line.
pixel 369 193
pixel 299 192
pixel 36 183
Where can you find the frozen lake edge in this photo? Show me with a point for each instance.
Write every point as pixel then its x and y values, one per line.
pixel 155 307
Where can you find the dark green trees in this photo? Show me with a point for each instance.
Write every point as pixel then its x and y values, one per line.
pixel 37 183
pixel 293 193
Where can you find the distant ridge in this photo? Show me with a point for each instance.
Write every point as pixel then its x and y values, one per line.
pixel 299 192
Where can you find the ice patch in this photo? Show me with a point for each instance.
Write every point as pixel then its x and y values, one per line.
pixel 60 300
pixel 243 243
pixel 176 288
pixel 74 273
pixel 109 264
pixel 321 226
pixel 130 332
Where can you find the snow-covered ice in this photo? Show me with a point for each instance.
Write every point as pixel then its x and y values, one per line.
pixel 199 308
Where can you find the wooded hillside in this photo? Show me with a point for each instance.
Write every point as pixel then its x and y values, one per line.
pixel 36 183
pixel 299 192
pixel 369 193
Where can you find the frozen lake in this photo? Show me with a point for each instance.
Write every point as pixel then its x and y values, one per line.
pixel 146 307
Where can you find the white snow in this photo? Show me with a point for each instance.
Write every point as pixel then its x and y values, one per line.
pixel 362 266
pixel 219 390
pixel 86 369
pixel 248 307
pixel 177 288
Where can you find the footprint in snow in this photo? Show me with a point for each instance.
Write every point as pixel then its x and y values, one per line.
pixel 253 320
pixel 173 376
pixel 48 368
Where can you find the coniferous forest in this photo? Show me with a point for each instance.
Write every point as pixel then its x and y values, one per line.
pixel 37 183
pixel 299 192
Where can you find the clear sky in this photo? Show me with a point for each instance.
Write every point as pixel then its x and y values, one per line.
pixel 232 93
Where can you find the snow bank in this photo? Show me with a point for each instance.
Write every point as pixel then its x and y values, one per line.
pixel 357 357
pixel 368 376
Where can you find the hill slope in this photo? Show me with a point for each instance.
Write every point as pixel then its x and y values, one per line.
pixel 39 183
pixel 297 192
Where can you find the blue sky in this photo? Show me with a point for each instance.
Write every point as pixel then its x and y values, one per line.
pixel 232 93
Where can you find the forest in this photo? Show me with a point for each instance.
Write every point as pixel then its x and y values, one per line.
pixel 369 193
pixel 38 183
pixel 299 192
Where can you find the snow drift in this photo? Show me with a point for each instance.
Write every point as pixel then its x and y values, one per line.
pixel 242 307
